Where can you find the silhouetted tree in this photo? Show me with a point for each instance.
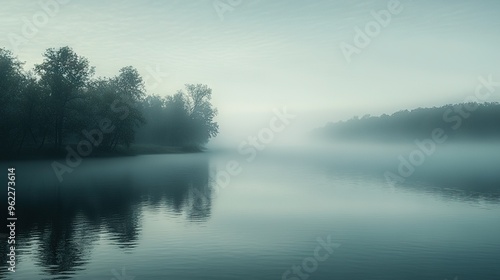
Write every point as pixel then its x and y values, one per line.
pixel 154 131
pixel 201 114
pixel 129 92
pixel 117 100
pixel 66 74
pixel 11 79
pixel 32 114
pixel 184 119
pixel 177 114
pixel 60 102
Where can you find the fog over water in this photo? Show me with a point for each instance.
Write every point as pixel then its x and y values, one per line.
pixel 254 139
pixel 182 216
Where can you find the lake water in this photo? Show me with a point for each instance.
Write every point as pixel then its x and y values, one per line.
pixel 328 213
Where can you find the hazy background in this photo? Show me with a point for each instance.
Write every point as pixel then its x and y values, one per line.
pixel 182 216
pixel 269 54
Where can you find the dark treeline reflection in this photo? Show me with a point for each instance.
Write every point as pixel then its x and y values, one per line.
pixel 65 220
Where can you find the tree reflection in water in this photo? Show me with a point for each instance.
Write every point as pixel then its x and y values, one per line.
pixel 64 221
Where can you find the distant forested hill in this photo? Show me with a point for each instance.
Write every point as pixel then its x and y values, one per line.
pixel 461 121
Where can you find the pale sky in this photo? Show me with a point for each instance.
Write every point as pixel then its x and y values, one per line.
pixel 262 55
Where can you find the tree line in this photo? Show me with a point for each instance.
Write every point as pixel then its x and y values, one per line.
pixel 460 121
pixel 59 102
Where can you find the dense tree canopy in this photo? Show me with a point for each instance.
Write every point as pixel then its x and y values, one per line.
pixel 60 103
pixel 15 97
pixel 65 74
pixel 186 118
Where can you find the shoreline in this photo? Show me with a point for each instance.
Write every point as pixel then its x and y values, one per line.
pixel 133 150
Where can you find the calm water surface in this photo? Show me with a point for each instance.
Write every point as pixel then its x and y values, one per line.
pixel 170 217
